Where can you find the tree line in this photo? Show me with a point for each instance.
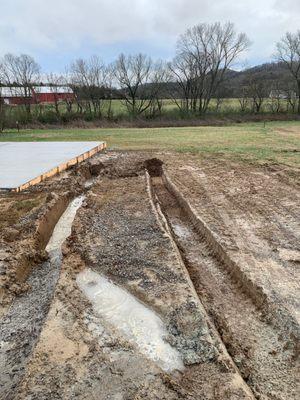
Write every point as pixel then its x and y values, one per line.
pixel 199 72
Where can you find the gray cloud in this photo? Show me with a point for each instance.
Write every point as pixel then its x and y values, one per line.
pixel 41 27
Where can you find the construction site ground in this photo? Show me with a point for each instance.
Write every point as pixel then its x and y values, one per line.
pixel 179 279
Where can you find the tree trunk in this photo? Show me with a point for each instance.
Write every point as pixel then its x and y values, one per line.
pixel 298 84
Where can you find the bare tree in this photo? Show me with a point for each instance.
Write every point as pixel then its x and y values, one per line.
pixel 23 72
pixel 291 98
pixel 184 72
pixel 55 82
pixel 276 95
pixel 257 93
pixel 132 73
pixel 244 99
pixel 2 105
pixel 288 52
pixel 204 54
pixel 89 77
pixel 2 111
pixel 219 100
pixel 155 89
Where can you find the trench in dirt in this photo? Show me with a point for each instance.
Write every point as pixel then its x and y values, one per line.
pixel 22 324
pixel 255 347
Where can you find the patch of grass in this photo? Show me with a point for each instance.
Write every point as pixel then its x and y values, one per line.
pixel 277 142
pixel 25 205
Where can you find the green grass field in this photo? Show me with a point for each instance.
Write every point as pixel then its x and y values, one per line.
pixel 277 142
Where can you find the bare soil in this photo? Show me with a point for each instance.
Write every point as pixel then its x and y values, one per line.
pixel 211 246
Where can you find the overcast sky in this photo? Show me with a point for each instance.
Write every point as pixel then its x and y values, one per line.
pixel 57 31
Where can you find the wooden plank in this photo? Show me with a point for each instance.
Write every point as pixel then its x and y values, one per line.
pixel 62 167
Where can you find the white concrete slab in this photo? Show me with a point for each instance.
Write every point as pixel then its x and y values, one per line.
pixel 22 161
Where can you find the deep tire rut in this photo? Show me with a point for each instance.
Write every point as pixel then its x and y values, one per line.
pixel 254 345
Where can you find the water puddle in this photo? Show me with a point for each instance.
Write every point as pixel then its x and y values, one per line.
pixel 63 227
pixel 21 326
pixel 138 324
pixel 181 231
pixel 89 183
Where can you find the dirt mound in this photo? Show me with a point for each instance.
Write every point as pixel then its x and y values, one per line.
pixel 154 166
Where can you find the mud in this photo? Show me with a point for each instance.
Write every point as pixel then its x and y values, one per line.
pixel 140 325
pixel 265 361
pixel 207 255
pixel 22 324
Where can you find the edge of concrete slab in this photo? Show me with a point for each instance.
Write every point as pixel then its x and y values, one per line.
pixel 59 168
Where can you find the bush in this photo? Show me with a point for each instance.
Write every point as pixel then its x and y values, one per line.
pixel 48 117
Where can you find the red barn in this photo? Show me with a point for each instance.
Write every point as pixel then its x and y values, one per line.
pixel 52 94
pixel 36 95
pixel 13 96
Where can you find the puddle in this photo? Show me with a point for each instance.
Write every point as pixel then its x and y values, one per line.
pixel 21 326
pixel 138 324
pixel 181 231
pixel 63 227
pixel 89 183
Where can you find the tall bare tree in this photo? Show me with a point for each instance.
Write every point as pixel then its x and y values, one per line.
pixel 204 54
pixel 288 52
pixel 2 105
pixel 132 73
pixel 23 72
pixel 154 91
pixel 184 72
pixel 89 77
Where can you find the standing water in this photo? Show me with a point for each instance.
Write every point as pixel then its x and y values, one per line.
pixel 63 228
pixel 21 326
pixel 137 323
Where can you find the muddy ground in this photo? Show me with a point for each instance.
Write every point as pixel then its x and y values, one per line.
pixel 209 247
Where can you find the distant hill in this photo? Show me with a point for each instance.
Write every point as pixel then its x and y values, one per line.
pixel 272 75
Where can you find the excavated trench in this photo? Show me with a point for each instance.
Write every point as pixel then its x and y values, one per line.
pixel 260 356
pixel 264 361
pixel 21 326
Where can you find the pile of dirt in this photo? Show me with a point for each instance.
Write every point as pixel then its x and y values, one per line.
pixel 154 166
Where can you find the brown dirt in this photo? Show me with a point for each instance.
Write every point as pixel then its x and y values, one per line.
pixel 27 220
pixel 212 246
pixel 265 361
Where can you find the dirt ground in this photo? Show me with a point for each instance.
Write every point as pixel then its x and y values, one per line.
pixel 211 247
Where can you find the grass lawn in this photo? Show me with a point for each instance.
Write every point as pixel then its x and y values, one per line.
pixel 276 142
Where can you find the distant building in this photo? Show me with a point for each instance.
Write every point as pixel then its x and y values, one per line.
pixel 52 94
pixel 36 95
pixel 282 94
pixel 12 95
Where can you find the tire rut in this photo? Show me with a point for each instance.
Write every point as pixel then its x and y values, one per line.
pixel 261 356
